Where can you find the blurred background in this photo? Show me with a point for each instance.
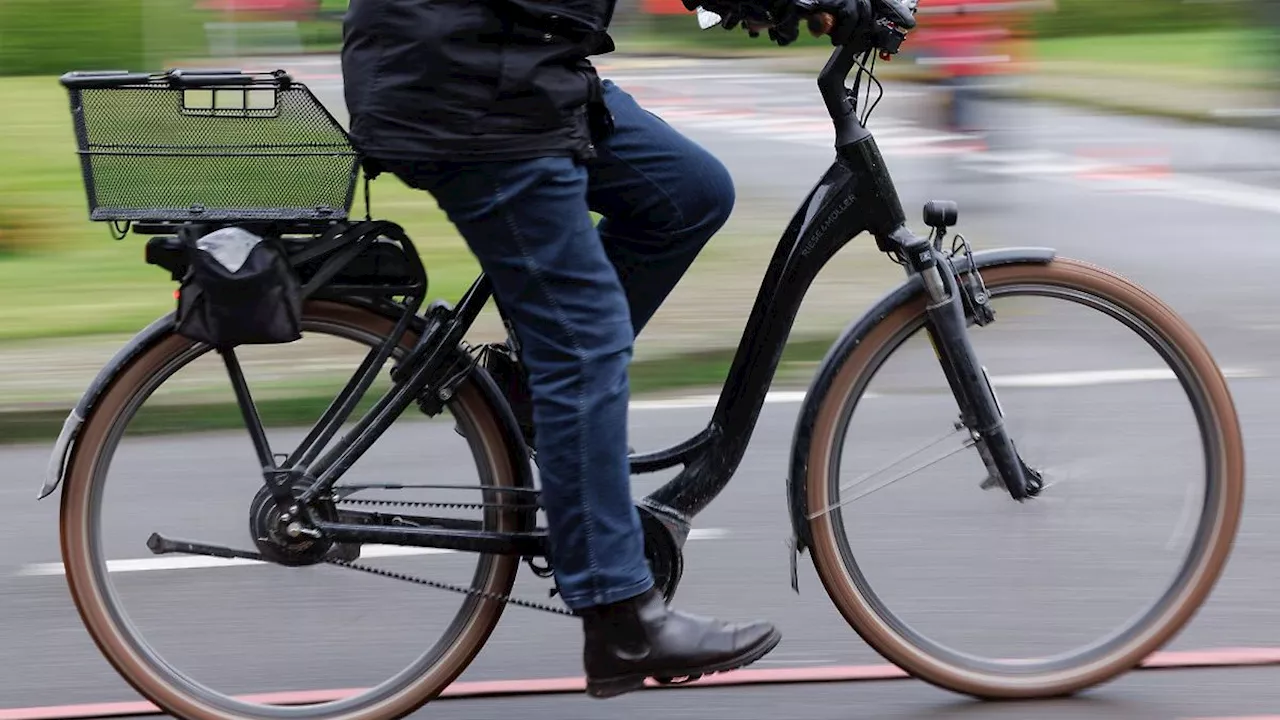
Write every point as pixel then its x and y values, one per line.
pixel 965 96
pixel 1137 134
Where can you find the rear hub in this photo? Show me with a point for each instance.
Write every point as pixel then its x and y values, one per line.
pixel 284 535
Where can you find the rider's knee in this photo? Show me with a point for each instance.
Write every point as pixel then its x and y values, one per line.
pixel 705 199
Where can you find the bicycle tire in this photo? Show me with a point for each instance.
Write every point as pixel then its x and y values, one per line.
pixel 476 401
pixel 853 372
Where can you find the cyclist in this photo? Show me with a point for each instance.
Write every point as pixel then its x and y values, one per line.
pixel 495 110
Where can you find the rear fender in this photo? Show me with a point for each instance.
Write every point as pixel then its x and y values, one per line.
pixel 66 444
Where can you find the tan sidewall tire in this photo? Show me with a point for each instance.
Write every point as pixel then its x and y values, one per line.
pixel 87 594
pixel 1230 490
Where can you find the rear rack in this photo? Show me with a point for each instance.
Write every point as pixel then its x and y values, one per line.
pixel 209 146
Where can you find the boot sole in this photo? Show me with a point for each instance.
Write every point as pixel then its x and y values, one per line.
pixel 603 688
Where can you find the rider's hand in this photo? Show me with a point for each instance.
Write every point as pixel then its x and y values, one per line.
pixel 782 18
pixel 848 16
pixel 839 19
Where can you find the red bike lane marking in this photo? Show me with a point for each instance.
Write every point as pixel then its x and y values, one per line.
pixel 1125 162
pixel 1188 659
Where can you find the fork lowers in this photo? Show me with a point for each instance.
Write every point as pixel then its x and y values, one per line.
pixel 947 328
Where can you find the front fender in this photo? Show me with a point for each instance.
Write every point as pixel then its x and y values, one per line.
pixel 797 478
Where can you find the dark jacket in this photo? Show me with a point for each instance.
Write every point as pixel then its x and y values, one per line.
pixel 475 79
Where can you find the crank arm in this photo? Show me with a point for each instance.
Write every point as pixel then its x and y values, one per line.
pixel 160 545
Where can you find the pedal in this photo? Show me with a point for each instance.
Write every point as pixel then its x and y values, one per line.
pixel 161 545
pixel 939 214
pixel 344 552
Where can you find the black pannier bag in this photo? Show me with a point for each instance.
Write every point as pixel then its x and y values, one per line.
pixel 238 290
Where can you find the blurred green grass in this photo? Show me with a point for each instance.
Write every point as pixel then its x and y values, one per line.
pixel 1223 53
pixel 1210 48
pixel 62 275
pixel 301 404
pixel 42 37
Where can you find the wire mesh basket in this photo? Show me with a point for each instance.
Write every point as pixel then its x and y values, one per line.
pixel 209 146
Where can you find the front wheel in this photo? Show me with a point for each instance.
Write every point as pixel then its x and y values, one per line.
pixel 962 587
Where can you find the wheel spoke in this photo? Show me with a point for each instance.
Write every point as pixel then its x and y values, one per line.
pixel 968 443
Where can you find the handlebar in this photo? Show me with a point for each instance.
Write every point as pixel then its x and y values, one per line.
pixel 831 81
pixel 882 26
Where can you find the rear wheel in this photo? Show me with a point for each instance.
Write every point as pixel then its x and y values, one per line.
pixel 983 595
pixel 282 624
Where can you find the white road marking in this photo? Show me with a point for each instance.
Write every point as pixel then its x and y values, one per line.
pixel 1101 377
pixel 894 137
pixel 901 138
pixel 1131 178
pixel 709 401
pixel 201 562
pixel 1082 378
pixel 1246 112
pixel 1033 380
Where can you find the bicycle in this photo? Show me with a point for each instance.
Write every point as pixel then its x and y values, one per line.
pixel 302 517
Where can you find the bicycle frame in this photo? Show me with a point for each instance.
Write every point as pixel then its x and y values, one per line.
pixel 854 195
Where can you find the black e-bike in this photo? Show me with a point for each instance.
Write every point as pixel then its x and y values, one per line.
pixel 181 154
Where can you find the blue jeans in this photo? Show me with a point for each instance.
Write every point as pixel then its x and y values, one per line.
pixel 577 294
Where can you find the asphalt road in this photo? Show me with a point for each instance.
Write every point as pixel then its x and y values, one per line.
pixel 1190 218
pixel 225 625
pixel 1178 695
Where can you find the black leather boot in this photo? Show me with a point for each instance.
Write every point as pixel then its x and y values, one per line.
pixel 639 638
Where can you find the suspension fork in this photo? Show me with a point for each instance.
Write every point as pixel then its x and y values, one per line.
pixel 948 331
